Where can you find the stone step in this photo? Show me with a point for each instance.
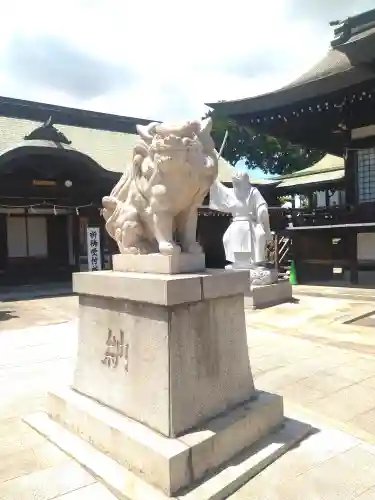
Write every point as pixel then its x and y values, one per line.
pixel 128 486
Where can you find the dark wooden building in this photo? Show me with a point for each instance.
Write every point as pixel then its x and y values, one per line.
pixel 322 185
pixel 56 164
pixel 330 108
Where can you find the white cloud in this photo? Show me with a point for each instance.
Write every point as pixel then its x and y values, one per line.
pixel 159 59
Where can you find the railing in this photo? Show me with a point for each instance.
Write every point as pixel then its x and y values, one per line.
pixel 282 218
pixel 284 246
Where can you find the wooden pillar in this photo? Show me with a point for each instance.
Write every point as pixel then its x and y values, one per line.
pixel 3 242
pixel 350 179
pixel 351 203
pixel 327 200
pixel 353 256
pixel 76 241
pixel 310 197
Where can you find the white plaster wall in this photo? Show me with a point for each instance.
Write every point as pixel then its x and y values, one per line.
pixel 297 201
pixel 37 235
pixel 16 236
pixel 366 246
pixel 18 245
pixel 320 198
pixel 335 199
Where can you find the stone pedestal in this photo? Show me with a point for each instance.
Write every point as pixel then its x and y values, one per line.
pixel 160 264
pixel 262 296
pixel 264 288
pixel 163 396
pixel 177 363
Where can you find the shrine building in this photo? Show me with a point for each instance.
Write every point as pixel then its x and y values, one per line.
pixel 330 108
pixel 56 164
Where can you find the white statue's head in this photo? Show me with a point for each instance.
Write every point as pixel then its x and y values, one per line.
pixel 241 184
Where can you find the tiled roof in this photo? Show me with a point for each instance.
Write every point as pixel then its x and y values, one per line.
pixel 111 150
pixel 329 169
pixel 349 62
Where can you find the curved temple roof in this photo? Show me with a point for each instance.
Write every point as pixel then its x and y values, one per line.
pixel 40 146
pixel 349 62
pixel 330 169
pixel 111 150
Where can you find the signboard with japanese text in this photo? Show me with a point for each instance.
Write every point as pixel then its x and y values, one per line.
pixel 93 249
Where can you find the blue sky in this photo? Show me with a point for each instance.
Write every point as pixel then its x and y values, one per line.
pixel 256 173
pixel 160 59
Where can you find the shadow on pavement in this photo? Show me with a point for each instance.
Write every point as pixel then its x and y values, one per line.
pixel 32 292
pixel 6 315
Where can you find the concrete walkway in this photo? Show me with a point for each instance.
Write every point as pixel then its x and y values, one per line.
pixel 30 292
pixel 329 465
pixel 333 385
pixel 340 291
pixel 21 313
pixel 334 319
pixel 329 387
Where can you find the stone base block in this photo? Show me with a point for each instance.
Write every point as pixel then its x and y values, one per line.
pixel 161 289
pixel 160 264
pixel 171 366
pixel 169 464
pixel 131 456
pixel 269 295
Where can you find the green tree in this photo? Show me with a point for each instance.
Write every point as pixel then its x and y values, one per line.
pixel 273 156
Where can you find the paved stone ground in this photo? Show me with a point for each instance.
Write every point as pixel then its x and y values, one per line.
pixel 329 465
pixel 331 383
pixel 335 319
pixel 38 311
pixel 329 386
pixel 368 320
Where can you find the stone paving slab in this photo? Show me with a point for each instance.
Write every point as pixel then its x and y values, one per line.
pixel 339 291
pixel 327 466
pixel 30 292
pixel 47 483
pixel 332 385
pixel 18 314
pixel 368 320
pixel 93 492
pixel 331 382
pixel 331 321
pixel 316 311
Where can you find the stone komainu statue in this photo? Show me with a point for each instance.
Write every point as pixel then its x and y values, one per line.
pixel 158 196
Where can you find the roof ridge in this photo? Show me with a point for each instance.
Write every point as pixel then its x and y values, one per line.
pixel 352 25
pixel 303 173
pixel 56 108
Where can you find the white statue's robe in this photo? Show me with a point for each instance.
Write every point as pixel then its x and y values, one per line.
pixel 245 233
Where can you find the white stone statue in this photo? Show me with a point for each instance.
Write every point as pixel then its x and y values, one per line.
pixel 246 238
pixel 158 196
